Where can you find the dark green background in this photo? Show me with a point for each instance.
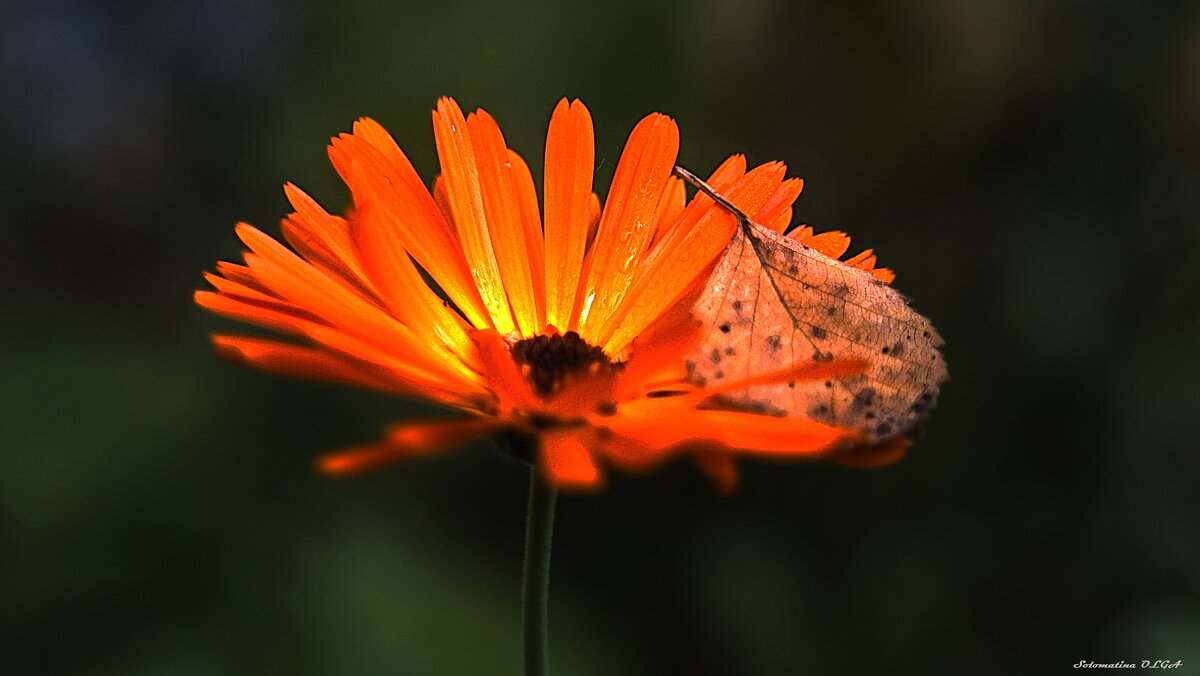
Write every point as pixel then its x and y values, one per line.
pixel 1030 169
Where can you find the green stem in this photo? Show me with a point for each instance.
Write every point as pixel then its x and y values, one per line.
pixel 535 593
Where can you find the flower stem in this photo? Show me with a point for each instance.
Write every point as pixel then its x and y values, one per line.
pixel 539 525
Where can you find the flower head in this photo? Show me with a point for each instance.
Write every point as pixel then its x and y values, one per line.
pixel 569 324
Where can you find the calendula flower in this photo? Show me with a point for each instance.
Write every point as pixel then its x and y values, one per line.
pixel 567 324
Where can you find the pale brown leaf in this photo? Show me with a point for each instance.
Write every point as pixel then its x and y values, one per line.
pixel 772 302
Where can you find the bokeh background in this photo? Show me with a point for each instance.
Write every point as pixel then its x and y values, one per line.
pixel 1031 170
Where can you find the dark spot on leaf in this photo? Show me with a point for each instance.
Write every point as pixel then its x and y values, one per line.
pixel 883 429
pixel 818 332
pixel 715 357
pixel 774 342
pixel 822 356
pixel 606 408
pixel 828 383
pixel 728 351
pixel 898 350
pixel 865 398
pixel 885 349
pixel 725 328
pixel 737 306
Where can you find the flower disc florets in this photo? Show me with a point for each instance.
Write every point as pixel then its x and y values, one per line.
pixel 547 359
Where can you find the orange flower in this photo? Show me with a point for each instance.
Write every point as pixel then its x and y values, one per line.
pixel 570 329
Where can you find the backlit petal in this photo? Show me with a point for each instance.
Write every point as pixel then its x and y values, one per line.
pixel 507 220
pixel 570 157
pixel 464 190
pixel 626 224
pixel 405 218
pixel 675 264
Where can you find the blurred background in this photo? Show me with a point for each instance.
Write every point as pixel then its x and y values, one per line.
pixel 1030 169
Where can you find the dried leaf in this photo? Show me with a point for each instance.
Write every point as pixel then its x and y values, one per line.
pixel 772 302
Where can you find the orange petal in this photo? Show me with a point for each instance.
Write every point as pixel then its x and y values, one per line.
pixel 323 240
pixel 407 441
pixel 884 275
pixel 230 287
pixel 315 317
pixel 302 362
pixel 593 225
pixel 301 284
pixel 675 264
pixel 465 189
pixel 277 315
pixel 833 244
pixel 322 258
pixel 570 158
pixel 507 213
pixel 778 437
pixel 422 381
pixel 443 202
pixel 670 422
pixel 803 371
pixel 412 379
pixel 531 219
pixel 776 212
pixel 674 199
pixel 626 222
pixel 729 171
pixel 566 461
pixel 863 261
pixel 244 276
pixel 501 372
pixel 411 301
pixel 800 233
pixel 404 218
pixel 657 354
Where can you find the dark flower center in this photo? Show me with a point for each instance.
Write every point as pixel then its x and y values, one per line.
pixel 550 358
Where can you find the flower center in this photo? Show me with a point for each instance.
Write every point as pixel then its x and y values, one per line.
pixel 546 360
